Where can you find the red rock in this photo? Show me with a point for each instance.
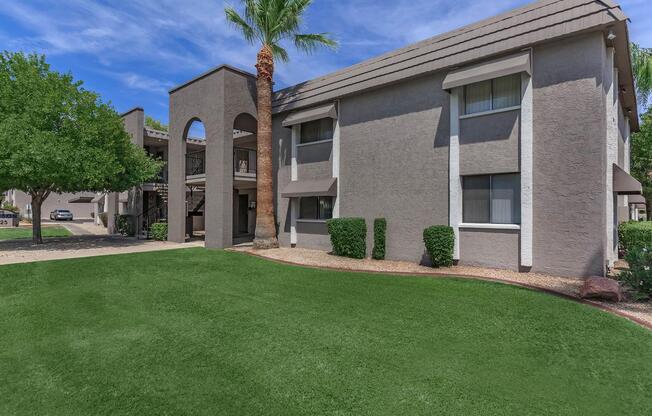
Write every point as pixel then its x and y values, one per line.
pixel 601 288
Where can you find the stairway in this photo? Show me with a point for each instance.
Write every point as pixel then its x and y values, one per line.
pixel 162 190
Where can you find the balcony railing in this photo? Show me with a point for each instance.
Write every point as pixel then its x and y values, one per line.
pixel 196 163
pixel 244 162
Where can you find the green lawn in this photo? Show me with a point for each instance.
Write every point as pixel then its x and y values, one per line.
pixel 19 233
pixel 206 332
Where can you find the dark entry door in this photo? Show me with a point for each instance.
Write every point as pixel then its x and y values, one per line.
pixel 243 214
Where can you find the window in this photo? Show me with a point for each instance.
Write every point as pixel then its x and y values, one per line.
pixel 317 130
pixel 316 208
pixel 494 94
pixel 491 199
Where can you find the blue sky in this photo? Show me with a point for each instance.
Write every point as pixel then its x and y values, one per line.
pixel 132 52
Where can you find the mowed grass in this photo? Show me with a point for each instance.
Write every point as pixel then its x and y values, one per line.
pixel 206 332
pixel 19 233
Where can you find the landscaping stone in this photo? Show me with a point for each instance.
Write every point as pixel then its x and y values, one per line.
pixel 601 288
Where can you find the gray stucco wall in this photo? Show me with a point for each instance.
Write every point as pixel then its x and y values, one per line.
pixel 217 99
pixel 394 161
pixel 569 157
pixel 313 162
pixel 490 248
pixel 56 201
pixel 490 144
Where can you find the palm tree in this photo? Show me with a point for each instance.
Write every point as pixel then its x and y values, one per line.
pixel 268 23
pixel 642 67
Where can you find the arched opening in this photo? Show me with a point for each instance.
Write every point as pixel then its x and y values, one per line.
pixel 195 145
pixel 244 178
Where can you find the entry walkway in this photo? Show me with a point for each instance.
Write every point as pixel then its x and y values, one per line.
pixel 23 251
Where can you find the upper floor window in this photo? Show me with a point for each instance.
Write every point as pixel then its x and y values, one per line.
pixel 313 131
pixel 493 94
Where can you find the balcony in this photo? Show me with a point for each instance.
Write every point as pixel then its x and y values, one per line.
pixel 244 163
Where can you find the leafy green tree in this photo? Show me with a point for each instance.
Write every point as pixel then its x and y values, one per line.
pixel 155 124
pixel 641 159
pixel 268 23
pixel 55 136
pixel 642 68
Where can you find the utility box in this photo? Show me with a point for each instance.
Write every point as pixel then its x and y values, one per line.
pixel 8 219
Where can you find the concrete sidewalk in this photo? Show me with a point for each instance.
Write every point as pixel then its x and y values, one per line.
pixel 23 251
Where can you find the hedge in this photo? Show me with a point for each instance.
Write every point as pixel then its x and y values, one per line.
pixel 124 224
pixel 348 237
pixel 635 234
pixel 380 227
pixel 159 231
pixel 440 241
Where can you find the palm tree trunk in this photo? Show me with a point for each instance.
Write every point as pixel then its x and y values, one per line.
pixel 265 219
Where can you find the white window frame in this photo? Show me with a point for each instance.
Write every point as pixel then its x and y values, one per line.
pixel 490 225
pixel 491 110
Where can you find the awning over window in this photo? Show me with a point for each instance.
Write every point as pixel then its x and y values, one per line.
pixel 320 187
pixel 509 65
pixel 98 198
pixel 636 200
pixel 315 113
pixel 86 199
pixel 624 183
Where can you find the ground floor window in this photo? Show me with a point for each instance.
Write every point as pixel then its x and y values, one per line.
pixel 316 208
pixel 491 199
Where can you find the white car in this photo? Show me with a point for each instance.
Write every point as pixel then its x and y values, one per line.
pixel 61 215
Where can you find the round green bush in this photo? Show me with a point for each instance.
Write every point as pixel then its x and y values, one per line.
pixel 440 241
pixel 348 237
pixel 159 231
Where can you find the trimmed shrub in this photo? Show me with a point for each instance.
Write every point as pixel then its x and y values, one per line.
pixel 635 234
pixel 380 227
pixel 125 225
pixel 104 217
pixel 348 237
pixel 159 231
pixel 639 275
pixel 440 241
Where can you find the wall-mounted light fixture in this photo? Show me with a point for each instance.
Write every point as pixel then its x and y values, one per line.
pixel 611 35
pixel 252 204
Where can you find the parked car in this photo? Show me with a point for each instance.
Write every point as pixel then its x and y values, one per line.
pixel 61 215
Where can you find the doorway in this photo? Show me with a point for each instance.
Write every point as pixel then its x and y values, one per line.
pixel 243 214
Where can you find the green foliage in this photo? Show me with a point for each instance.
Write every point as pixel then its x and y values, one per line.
pixel 56 136
pixel 159 231
pixel 10 207
pixel 125 224
pixel 155 124
pixel 104 218
pixel 270 22
pixel 639 275
pixel 380 228
pixel 440 241
pixel 348 237
pixel 642 68
pixel 635 234
pixel 641 156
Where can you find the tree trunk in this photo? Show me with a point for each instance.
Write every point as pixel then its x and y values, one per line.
pixel 265 219
pixel 36 218
pixel 37 201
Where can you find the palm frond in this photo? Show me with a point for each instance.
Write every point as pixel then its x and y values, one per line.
pixel 642 68
pixel 311 41
pixel 238 22
pixel 279 52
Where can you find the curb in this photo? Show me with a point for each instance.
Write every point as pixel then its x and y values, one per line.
pixel 434 274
